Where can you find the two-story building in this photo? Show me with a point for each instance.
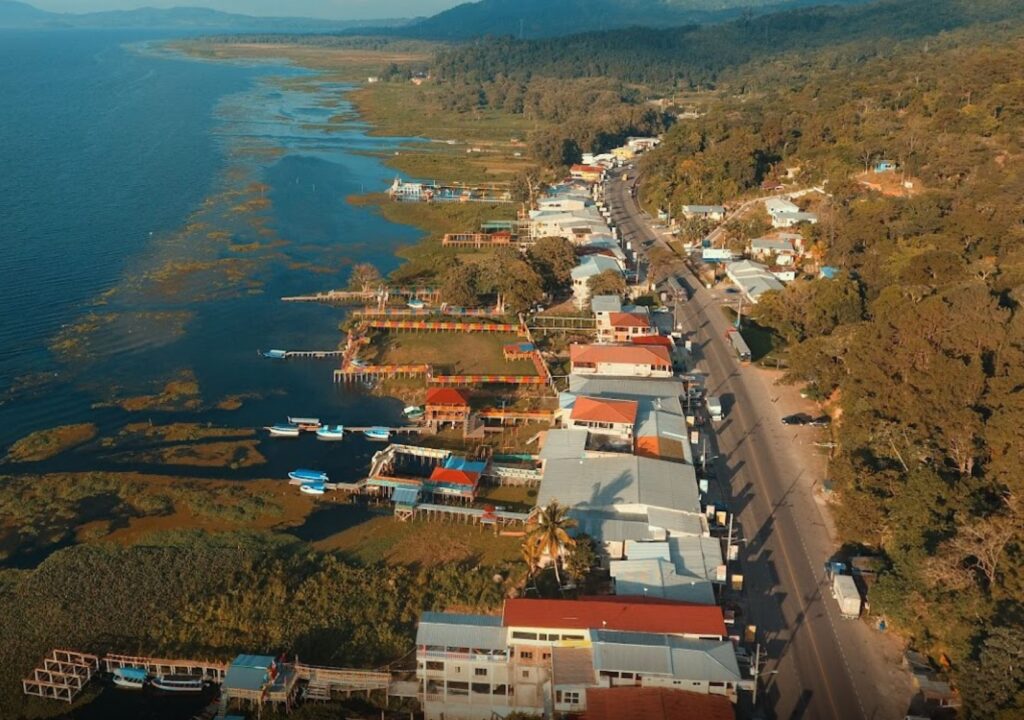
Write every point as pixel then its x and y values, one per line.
pixel 630 360
pixel 620 324
pixel 604 416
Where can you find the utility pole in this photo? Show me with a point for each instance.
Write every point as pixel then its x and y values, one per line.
pixel 728 542
pixel 757 670
pixel 739 312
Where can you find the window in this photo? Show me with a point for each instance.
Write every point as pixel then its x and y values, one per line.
pixel 545 656
pixel 435 665
pixel 480 672
pixel 526 655
pixel 519 635
pixel 526 674
pixel 570 697
pixel 572 637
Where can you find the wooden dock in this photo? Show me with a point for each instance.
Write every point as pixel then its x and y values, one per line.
pixel 359 373
pixel 316 354
pixel 208 669
pixel 339 297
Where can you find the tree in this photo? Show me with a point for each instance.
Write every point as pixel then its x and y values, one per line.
pixel 526 186
pixel 553 258
pixel 531 554
pixel 512 277
pixel 460 284
pixel 365 277
pixel 581 558
pixel 607 282
pixel 993 685
pixel 549 530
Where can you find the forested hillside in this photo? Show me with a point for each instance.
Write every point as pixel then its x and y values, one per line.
pixel 919 344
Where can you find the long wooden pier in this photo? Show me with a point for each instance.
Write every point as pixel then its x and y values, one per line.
pixel 426 294
pixel 208 669
pixel 358 373
pixel 446 326
pixel 316 354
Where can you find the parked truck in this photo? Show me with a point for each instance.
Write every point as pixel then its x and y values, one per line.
pixel 714 408
pixel 844 590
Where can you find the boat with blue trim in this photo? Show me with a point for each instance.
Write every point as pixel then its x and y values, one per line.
pixel 312 488
pixel 130 678
pixel 377 433
pixel 275 354
pixel 330 432
pixel 283 430
pixel 178 683
pixel 306 423
pixel 308 475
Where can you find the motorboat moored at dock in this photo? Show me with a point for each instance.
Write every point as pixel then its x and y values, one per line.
pixel 178 683
pixel 283 430
pixel 313 488
pixel 275 354
pixel 313 476
pixel 416 304
pixel 330 432
pixel 413 412
pixel 305 423
pixel 130 678
pixel 377 433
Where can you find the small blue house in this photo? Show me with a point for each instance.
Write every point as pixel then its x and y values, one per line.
pixel 828 272
pixel 885 166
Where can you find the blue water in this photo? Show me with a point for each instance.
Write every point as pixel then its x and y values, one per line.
pixel 121 166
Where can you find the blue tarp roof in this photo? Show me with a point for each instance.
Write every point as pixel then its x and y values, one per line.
pixel 406 495
pixel 460 463
pixel 248 672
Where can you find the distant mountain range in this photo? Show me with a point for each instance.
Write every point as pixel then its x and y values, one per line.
pixel 550 18
pixel 15 14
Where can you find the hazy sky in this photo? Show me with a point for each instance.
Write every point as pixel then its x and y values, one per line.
pixel 338 9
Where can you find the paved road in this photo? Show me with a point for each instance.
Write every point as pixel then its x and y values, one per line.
pixel 819 665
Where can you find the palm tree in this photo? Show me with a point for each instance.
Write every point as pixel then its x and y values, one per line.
pixel 531 555
pixel 549 531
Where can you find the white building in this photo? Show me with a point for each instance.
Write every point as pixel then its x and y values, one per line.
pixel 752 278
pixel 621 360
pixel 792 219
pixel 589 267
pixel 704 212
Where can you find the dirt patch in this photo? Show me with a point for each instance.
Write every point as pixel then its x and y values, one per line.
pixel 45 444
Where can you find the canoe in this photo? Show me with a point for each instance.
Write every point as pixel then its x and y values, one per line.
pixel 377 433
pixel 331 432
pixel 416 304
pixel 177 683
pixel 305 423
pixel 313 476
pixel 312 488
pixel 130 678
pixel 283 430
pixel 275 354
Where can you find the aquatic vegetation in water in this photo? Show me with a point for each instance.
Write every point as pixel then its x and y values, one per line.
pixel 223 454
pixel 179 393
pixel 48 443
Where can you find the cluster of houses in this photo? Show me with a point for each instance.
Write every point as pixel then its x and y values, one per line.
pixel 770 261
pixel 620 458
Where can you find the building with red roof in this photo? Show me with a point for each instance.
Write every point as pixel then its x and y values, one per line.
pixel 523 615
pixel 654 703
pixel 446 407
pixel 659 340
pixel 621 360
pixel 589 173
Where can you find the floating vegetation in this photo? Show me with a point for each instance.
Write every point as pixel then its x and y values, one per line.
pixel 210 454
pixel 48 443
pixel 180 393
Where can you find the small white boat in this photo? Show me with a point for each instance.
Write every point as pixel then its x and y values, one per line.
pixel 416 304
pixel 130 678
pixel 275 354
pixel 377 433
pixel 178 683
pixel 312 488
pixel 305 423
pixel 413 412
pixel 313 476
pixel 283 430
pixel 331 432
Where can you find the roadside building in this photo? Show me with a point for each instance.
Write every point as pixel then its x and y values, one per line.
pixel 589 267
pixel 588 173
pixel 655 703
pixel 619 324
pixel 714 213
pixel 776 205
pixel 622 360
pixel 614 418
pixel 753 279
pixel 765 248
pixel 642 144
pixel 792 219
pixel 457 478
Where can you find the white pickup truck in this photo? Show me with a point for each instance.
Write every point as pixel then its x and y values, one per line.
pixel 714 408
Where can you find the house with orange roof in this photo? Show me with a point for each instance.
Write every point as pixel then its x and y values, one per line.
pixel 621 360
pixel 604 416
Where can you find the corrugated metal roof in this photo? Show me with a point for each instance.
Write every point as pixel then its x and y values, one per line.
pixel 651 616
pixel 655 577
pixel 572 666
pixel 655 703
pixel 564 444
pixel 457 630
pixel 676 522
pixel 697 556
pixel 606 303
pixel 588 409
pixel 667 655
pixel 602 483
pixel 625 387
pixel 611 527
pixel 624 354
pixel 639 550
pixel 406 495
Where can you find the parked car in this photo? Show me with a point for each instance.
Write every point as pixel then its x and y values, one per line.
pixel 821 421
pixel 797 419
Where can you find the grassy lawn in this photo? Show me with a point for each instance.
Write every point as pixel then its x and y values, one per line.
pixel 452 353
pixel 451 163
pixel 422 543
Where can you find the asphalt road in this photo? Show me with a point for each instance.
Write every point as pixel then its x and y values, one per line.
pixel 818 665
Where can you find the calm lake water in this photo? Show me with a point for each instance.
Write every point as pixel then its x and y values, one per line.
pixel 154 210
